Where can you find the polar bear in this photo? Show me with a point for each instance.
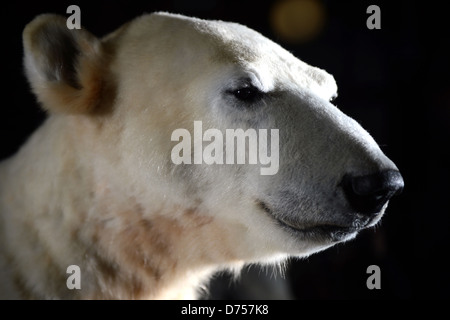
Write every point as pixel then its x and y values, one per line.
pixel 95 186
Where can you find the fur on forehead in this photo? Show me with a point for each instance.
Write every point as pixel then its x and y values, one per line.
pixel 237 44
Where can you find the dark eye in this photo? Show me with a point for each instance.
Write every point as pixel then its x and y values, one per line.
pixel 248 94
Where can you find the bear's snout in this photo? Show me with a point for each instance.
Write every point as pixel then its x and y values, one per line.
pixel 368 194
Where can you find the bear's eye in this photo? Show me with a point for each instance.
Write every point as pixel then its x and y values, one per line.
pixel 248 94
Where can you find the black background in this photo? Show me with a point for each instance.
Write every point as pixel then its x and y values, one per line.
pixel 394 81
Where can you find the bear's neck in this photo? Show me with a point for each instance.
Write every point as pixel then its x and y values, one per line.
pixel 64 209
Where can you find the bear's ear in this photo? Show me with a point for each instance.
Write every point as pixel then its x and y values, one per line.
pixel 63 66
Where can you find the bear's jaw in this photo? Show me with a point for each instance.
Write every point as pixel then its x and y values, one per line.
pixel 321 233
pixel 324 233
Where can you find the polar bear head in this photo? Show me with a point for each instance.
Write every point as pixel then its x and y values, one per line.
pixel 129 92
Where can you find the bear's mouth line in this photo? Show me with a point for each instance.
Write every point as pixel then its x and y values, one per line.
pixel 333 230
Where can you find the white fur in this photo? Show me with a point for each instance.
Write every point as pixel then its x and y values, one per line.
pixel 91 189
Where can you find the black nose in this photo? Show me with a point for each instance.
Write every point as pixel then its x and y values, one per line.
pixel 368 194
